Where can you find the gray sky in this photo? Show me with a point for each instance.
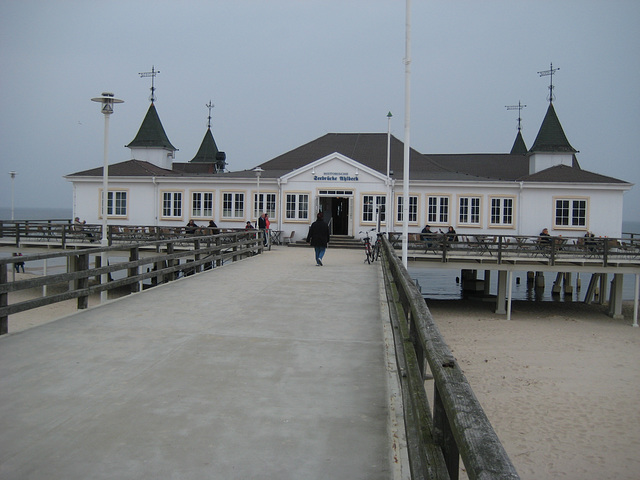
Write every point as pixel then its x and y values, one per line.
pixel 284 72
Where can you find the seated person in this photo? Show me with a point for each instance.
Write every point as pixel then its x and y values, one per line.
pixel 191 227
pixel 213 227
pixel 451 235
pixel 248 226
pixel 545 238
pixel 426 235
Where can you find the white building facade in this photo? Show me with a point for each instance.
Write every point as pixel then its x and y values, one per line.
pixel 345 176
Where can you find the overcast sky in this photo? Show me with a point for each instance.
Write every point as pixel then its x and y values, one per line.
pixel 284 72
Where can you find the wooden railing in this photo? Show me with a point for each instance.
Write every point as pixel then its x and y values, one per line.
pixel 166 260
pixel 505 248
pixel 457 425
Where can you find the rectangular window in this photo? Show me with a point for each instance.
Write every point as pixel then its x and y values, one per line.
pixel 233 205
pixel 116 204
pixel 297 206
pixel 501 211
pixel 172 204
pixel 438 210
pixel 413 209
pixel 571 213
pixel 372 206
pixel 202 204
pixel 266 204
pixel 469 212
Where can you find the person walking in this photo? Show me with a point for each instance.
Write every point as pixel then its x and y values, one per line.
pixel 318 237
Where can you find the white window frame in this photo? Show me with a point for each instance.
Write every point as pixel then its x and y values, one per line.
pixel 473 214
pixel 368 215
pixel 438 209
pixel 117 203
pixel 577 213
pixel 175 207
pixel 268 202
pixel 502 211
pixel 205 206
pixel 236 201
pixel 296 207
pixel 413 209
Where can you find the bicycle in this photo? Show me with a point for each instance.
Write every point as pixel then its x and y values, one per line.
pixel 368 250
pixel 377 246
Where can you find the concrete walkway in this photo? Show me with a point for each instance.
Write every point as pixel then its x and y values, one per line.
pixel 270 368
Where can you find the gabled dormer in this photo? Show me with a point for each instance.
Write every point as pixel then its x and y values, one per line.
pixel 151 143
pixel 551 147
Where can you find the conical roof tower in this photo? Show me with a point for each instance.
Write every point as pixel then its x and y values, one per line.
pixel 551 137
pixel 208 151
pixel 519 147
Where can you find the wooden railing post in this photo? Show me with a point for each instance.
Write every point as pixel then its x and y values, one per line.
pixel 82 264
pixel 4 299
pixel 134 255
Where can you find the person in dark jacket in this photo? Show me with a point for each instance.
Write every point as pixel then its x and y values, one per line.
pixel 318 237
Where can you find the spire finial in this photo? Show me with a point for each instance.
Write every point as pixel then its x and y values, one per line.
pixel 550 73
pixel 152 74
pixel 518 107
pixel 209 106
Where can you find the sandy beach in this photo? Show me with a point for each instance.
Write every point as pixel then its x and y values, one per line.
pixel 560 382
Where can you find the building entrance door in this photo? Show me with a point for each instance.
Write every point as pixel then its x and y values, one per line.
pixel 336 214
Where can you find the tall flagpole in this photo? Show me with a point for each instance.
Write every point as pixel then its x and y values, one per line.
pixel 407 121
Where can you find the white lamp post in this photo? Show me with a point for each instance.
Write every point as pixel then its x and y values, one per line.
pixel 107 100
pixel 13 176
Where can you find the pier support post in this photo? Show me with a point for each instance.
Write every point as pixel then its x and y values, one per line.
pixel 487 282
pixel 539 280
pixel 557 285
pixel 615 297
pixel 568 288
pixel 502 293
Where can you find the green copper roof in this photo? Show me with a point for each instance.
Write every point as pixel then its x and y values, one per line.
pixel 151 133
pixel 551 137
pixel 208 149
pixel 519 147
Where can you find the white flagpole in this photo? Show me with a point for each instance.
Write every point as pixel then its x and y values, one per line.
pixel 407 121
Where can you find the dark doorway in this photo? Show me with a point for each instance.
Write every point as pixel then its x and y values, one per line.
pixel 336 213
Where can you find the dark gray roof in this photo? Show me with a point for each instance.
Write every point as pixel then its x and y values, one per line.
pixel 564 173
pixel 129 168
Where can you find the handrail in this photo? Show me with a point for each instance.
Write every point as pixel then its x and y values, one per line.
pixel 457 426
pixel 505 248
pixel 198 252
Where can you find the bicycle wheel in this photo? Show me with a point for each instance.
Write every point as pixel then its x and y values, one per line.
pixel 368 252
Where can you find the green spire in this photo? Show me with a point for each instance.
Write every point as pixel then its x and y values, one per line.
pixel 151 133
pixel 208 149
pixel 519 147
pixel 551 137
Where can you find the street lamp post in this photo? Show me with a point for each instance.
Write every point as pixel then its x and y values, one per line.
pixel 13 176
pixel 107 100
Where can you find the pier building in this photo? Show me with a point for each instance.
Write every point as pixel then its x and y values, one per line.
pixel 356 179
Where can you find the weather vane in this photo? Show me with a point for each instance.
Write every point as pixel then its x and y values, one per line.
pixel 209 106
pixel 518 107
pixel 151 74
pixel 550 73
